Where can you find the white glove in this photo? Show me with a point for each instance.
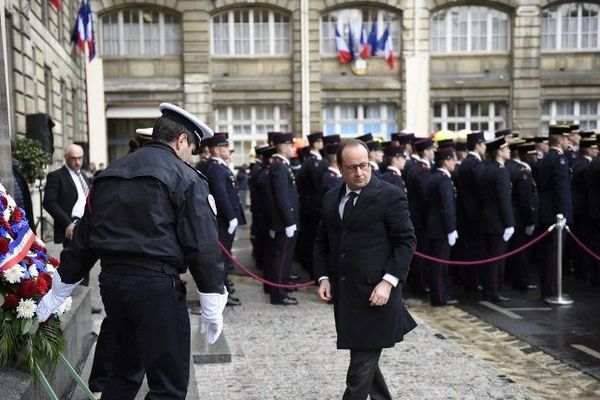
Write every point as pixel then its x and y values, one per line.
pixel 54 298
pixel 508 232
pixel 289 230
pixel 211 320
pixel 452 236
pixel 272 233
pixel 562 222
pixel 529 230
pixel 232 225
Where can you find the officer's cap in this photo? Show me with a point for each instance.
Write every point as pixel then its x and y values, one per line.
pixel 331 139
pixel 393 151
pixel 423 144
pixel 374 145
pixel 403 138
pixel 502 133
pixel 461 146
pixel 365 138
pixel 282 138
pixel 496 144
pixel 514 145
pixel 260 148
pixel 540 139
pixel 562 130
pixel 445 143
pixel 270 136
pixel 526 148
pixel 331 149
pixel 445 153
pixel 475 138
pixel 313 137
pixel 574 128
pixel 268 152
pixel 192 123
pixel 589 143
pixel 219 139
pixel 145 133
pixel 587 134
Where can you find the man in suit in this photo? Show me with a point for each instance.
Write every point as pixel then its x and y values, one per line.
pixel 554 187
pixel 363 248
pixel 65 194
pixel 223 187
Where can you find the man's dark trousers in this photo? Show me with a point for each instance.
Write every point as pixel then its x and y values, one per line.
pixel 137 338
pixel 365 378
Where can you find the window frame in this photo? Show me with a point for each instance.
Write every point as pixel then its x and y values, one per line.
pixel 558 33
pixel 553 117
pixel 122 42
pixel 495 122
pixel 387 123
pixel 231 38
pixel 447 31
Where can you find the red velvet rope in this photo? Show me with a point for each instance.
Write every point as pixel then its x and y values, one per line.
pixel 487 260
pixel 582 245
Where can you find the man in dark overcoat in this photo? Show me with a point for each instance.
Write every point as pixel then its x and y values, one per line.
pixel 363 248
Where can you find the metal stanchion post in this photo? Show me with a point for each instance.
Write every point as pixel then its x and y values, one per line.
pixel 560 299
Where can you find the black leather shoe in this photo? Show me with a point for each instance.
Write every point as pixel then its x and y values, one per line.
pixel 501 297
pixel 294 277
pixel 233 301
pixel 290 297
pixel 451 302
pixel 286 301
pixel 532 287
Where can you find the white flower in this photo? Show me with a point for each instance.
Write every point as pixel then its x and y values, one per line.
pixel 14 274
pixel 26 308
pixel 33 271
pixel 65 306
pixel 50 269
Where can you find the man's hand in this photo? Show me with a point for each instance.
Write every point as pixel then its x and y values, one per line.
pixel 325 290
pixel 69 231
pixel 381 294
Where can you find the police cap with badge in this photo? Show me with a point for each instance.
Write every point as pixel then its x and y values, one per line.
pixel 193 124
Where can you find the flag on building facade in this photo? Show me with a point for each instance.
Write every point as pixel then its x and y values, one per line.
pixel 351 42
pixel 342 48
pixel 372 40
pixel 56 4
pixel 385 43
pixel 83 31
pixel 365 49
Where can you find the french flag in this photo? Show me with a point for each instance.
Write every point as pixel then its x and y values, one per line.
pixel 385 43
pixel 342 48
pixel 56 4
pixel 83 31
pixel 365 48
pixel 370 44
pixel 351 42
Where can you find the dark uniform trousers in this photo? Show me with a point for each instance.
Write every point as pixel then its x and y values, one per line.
pixel 418 274
pixel 493 273
pixel 281 267
pixel 439 272
pixel 472 243
pixel 547 256
pixel 157 341
pixel 103 358
pixel 226 240
pixel 365 378
pixel 517 265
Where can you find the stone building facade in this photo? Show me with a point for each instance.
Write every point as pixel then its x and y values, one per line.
pixel 248 67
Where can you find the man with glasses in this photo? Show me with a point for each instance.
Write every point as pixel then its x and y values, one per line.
pixel 363 248
pixel 65 194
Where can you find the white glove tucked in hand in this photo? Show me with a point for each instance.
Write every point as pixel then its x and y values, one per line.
pixel 529 230
pixel 272 233
pixel 289 230
pixel 232 225
pixel 211 320
pixel 508 232
pixel 54 298
pixel 452 236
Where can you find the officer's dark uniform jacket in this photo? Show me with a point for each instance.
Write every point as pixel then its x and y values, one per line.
pixel 393 176
pixel 223 187
pixel 497 198
pixel 148 210
pixel 416 186
pixel 309 181
pixel 441 218
pixel 284 194
pixel 525 198
pixel 470 197
pixel 329 180
pixel 554 186
pixel 580 187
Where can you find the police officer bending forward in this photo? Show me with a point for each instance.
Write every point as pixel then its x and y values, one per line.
pixel 148 218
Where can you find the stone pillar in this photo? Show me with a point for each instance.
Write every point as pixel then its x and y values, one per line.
pixel 526 86
pixel 5 153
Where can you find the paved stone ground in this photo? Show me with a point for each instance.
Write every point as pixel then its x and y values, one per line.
pixel 289 353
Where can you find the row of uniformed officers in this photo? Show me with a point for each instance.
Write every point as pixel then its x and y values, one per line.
pixel 468 200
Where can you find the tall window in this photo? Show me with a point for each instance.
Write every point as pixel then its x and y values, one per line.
pixel 358 119
pixel 251 31
pixel 487 117
pixel 248 125
pixel 140 32
pixel 469 28
pixel 572 26
pixel 586 113
pixel 358 19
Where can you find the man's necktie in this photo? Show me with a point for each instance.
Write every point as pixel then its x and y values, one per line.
pixel 349 206
pixel 83 184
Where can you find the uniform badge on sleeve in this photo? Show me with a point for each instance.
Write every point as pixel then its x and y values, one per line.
pixel 212 203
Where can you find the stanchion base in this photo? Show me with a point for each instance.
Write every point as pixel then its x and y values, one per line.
pixel 563 300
